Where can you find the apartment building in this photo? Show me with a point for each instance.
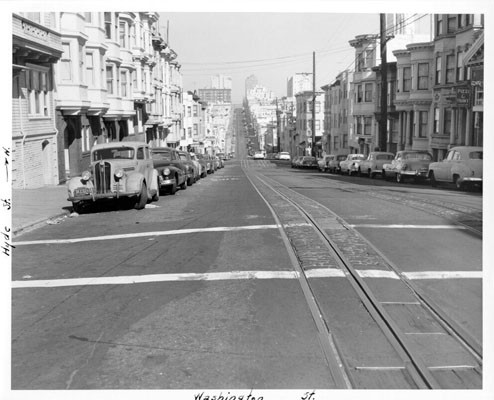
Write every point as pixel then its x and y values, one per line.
pixel 36 144
pixel 303 135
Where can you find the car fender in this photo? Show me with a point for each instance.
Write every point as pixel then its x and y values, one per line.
pixel 78 182
pixel 154 181
pixel 134 181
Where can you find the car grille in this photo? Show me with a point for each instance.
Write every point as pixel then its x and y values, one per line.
pixel 102 177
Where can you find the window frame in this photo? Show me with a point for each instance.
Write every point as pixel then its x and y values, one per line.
pixel 422 78
pixel 38 87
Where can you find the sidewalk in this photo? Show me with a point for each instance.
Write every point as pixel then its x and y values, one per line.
pixel 32 208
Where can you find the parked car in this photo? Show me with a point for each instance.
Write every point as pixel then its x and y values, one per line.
pixel 206 160
pixel 350 164
pixel 373 164
pixel 461 166
pixel 295 161
pixel 197 166
pixel 193 174
pixel 284 155
pixel 408 163
pixel 258 155
pixel 308 162
pixel 219 162
pixel 120 171
pixel 172 171
pixel 202 162
pixel 322 163
pixel 334 164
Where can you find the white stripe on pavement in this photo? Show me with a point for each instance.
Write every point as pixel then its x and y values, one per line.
pixel 396 226
pixel 444 275
pixel 144 234
pixel 238 275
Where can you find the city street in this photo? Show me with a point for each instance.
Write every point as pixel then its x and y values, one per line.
pixel 203 290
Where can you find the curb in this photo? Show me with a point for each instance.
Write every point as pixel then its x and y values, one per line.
pixel 37 224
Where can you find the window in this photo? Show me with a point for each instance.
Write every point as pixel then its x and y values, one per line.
pixel 109 79
pixel 108 25
pixel 359 125
pixel 447 121
pixel 189 111
pixel 359 94
pixel 196 130
pixel 438 70
pixel 85 138
pixel 460 70
pixel 121 34
pixel 140 153
pixel 368 92
pixel 134 80
pixel 423 76
pixel 450 68
pixel 123 83
pixel 451 23
pixel 90 78
pixel 367 125
pixel 345 141
pixel 81 63
pixel 407 79
pixel 423 123
pixel 37 91
pixel 189 132
pixel 439 25
pixel 436 121
pixel 66 63
pixel 195 110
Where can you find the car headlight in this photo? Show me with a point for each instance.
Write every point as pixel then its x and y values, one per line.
pixel 166 171
pixel 404 167
pixel 119 173
pixel 86 175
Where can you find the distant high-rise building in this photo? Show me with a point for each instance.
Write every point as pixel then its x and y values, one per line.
pixel 215 95
pixel 221 82
pixel 250 83
pixel 300 82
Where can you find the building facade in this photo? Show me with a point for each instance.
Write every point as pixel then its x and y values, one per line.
pixel 304 136
pixel 36 143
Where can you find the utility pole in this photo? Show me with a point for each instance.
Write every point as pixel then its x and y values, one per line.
pixel 383 122
pixel 278 126
pixel 313 147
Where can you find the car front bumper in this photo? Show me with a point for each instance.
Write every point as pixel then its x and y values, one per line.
pixel 102 196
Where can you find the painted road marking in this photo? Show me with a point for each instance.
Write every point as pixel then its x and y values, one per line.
pixel 156 233
pixel 236 275
pixel 395 226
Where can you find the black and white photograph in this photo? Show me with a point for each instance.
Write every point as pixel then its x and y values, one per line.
pixel 252 201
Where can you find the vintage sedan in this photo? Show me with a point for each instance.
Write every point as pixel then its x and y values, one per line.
pixel 295 161
pixel 308 162
pixel 172 172
pixel 374 163
pixel 199 167
pixel 334 164
pixel 408 163
pixel 192 172
pixel 120 171
pixel 323 162
pixel 284 155
pixel 350 164
pixel 208 163
pixel 462 166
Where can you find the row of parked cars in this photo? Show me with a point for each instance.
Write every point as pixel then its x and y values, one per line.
pixel 134 174
pixel 462 166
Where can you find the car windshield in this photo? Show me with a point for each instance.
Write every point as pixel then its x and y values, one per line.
pixel 162 155
pixel 340 158
pixel 418 156
pixel 183 157
pixel 123 153
pixel 476 155
pixel 357 158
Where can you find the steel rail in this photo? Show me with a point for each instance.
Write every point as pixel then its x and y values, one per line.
pixel 450 325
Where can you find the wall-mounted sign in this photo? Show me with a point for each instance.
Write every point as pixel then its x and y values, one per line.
pixel 463 96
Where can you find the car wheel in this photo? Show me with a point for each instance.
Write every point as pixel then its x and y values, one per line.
pixel 457 182
pixel 190 181
pixel 156 196
pixel 432 178
pixel 142 199
pixel 183 186
pixel 372 174
pixel 78 207
pixel 400 178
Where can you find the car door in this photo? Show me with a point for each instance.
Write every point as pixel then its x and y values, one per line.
pixel 141 161
pixel 442 171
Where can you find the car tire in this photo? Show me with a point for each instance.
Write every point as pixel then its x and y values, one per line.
pixel 156 196
pixel 183 186
pixel 372 175
pixel 142 199
pixel 190 181
pixel 432 179
pixel 400 178
pixel 458 184
pixel 78 207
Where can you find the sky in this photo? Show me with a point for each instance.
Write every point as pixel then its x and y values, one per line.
pixel 273 46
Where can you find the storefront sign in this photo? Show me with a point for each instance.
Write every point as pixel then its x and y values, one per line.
pixel 463 96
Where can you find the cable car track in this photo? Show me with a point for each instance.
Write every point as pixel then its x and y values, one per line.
pixel 283 202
